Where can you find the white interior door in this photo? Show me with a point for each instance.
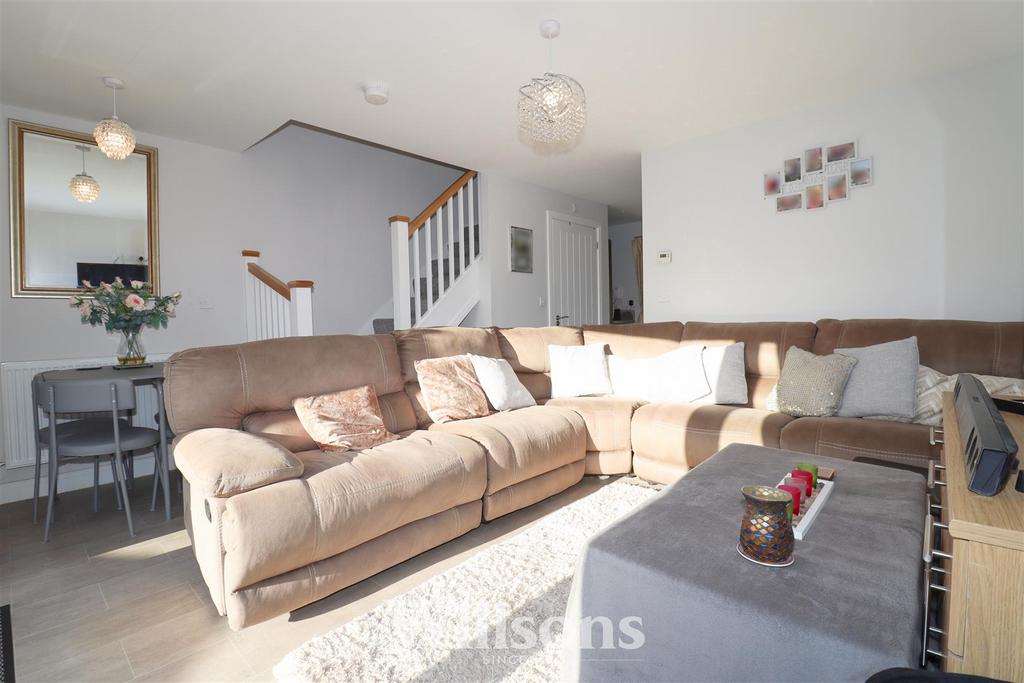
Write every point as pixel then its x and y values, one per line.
pixel 574 272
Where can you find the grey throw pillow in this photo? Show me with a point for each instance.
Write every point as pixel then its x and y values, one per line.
pixel 884 381
pixel 811 385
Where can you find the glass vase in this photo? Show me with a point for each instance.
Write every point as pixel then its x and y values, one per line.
pixel 766 533
pixel 130 351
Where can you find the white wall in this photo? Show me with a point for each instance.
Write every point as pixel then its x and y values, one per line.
pixel 940 234
pixel 624 283
pixel 315 205
pixel 515 298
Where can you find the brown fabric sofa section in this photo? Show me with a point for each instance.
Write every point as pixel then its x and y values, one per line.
pixel 669 439
pixel 608 421
pixel 518 496
pixel 638 340
pixel 224 462
pixel 765 346
pixel 345 499
pixel 525 443
pixel 218 386
pixel 291 590
pixel 858 438
pixel 949 346
pixel 526 348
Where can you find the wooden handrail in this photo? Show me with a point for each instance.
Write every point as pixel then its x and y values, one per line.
pixel 417 223
pixel 250 252
pixel 270 281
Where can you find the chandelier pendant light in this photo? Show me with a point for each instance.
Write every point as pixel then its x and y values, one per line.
pixel 83 186
pixel 552 107
pixel 115 137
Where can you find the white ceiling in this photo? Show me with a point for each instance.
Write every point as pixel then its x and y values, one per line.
pixel 228 73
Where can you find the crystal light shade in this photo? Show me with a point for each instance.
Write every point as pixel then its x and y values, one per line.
pixel 115 138
pixel 84 188
pixel 552 109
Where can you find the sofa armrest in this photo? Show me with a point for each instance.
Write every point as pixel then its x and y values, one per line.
pixel 221 462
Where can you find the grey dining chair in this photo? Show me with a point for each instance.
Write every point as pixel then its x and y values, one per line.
pixel 93 437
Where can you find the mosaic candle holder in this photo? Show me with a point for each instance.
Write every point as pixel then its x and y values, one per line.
pixel 766 532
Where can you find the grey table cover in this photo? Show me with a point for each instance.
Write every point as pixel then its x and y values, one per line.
pixel 848 607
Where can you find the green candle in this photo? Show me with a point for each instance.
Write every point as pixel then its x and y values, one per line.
pixel 813 469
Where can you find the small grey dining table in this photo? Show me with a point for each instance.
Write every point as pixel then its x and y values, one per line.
pixel 150 374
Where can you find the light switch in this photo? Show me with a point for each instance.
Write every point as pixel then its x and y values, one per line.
pixel 665 256
pixel 205 303
pixel 540 302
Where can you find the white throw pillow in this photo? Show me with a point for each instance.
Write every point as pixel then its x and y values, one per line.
pixel 579 371
pixel 726 373
pixel 499 382
pixel 674 376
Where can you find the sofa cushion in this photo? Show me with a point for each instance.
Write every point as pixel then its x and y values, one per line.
pixel 860 439
pixel 524 443
pixel 884 380
pixel 680 436
pixel 451 389
pixel 607 418
pixel 949 346
pixel 765 346
pixel 638 340
pixel 345 499
pixel 344 420
pixel 439 342
pixel 223 462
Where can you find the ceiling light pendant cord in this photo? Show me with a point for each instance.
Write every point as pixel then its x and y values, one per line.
pixel 83 160
pixel 115 104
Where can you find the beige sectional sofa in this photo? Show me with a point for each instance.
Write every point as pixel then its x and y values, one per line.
pixel 277 524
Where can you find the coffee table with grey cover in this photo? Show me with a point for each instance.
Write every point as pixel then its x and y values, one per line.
pixel 849 606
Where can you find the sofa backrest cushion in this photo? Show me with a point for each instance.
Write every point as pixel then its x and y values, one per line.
pixel 219 386
pixel 949 346
pixel 765 346
pixel 637 340
pixel 526 350
pixel 438 342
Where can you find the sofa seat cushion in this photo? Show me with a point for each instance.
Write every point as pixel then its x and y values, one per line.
pixel 683 435
pixel 607 419
pixel 522 444
pixel 860 439
pixel 345 499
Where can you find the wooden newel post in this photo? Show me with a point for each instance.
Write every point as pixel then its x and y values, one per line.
pixel 401 281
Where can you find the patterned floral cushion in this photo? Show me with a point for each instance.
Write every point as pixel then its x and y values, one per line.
pixel 451 389
pixel 343 420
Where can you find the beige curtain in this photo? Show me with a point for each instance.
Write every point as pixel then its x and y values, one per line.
pixel 638 265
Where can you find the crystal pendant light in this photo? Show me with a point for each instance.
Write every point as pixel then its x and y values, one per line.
pixel 552 107
pixel 115 137
pixel 83 186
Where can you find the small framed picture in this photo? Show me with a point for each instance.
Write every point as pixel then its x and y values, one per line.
pixel 521 251
pixel 838 187
pixel 862 172
pixel 841 152
pixel 815 196
pixel 791 169
pixel 788 202
pixel 772 183
pixel 813 160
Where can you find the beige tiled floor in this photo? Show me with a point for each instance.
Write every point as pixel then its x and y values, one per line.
pixel 94 604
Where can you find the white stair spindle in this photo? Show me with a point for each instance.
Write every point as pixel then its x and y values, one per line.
pixel 451 241
pixel 417 307
pixel 472 221
pixel 428 243
pixel 439 230
pixel 460 226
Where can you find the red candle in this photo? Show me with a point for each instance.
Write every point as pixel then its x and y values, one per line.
pixel 795 492
pixel 807 477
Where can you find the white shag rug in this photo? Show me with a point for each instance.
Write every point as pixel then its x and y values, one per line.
pixel 461 625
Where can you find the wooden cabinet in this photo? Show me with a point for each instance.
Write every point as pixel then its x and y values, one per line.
pixel 983 608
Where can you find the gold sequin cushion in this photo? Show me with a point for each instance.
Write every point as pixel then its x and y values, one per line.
pixel 812 385
pixel 451 389
pixel 344 420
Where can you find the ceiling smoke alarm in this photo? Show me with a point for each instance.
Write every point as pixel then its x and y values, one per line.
pixel 376 92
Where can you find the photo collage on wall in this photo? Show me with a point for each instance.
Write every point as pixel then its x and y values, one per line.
pixel 818 177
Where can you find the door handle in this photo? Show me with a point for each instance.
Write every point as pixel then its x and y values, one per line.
pixel 559 319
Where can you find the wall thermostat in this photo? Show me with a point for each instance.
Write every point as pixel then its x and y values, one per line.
pixel 665 256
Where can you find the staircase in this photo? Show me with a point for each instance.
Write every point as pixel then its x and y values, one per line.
pixel 435 260
pixel 274 308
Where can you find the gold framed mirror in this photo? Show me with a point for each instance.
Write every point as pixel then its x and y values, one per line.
pixel 77 215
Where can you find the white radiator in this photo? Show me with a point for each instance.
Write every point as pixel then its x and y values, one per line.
pixel 16 389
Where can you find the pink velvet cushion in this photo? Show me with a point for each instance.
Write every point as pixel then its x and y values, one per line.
pixel 451 389
pixel 344 420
